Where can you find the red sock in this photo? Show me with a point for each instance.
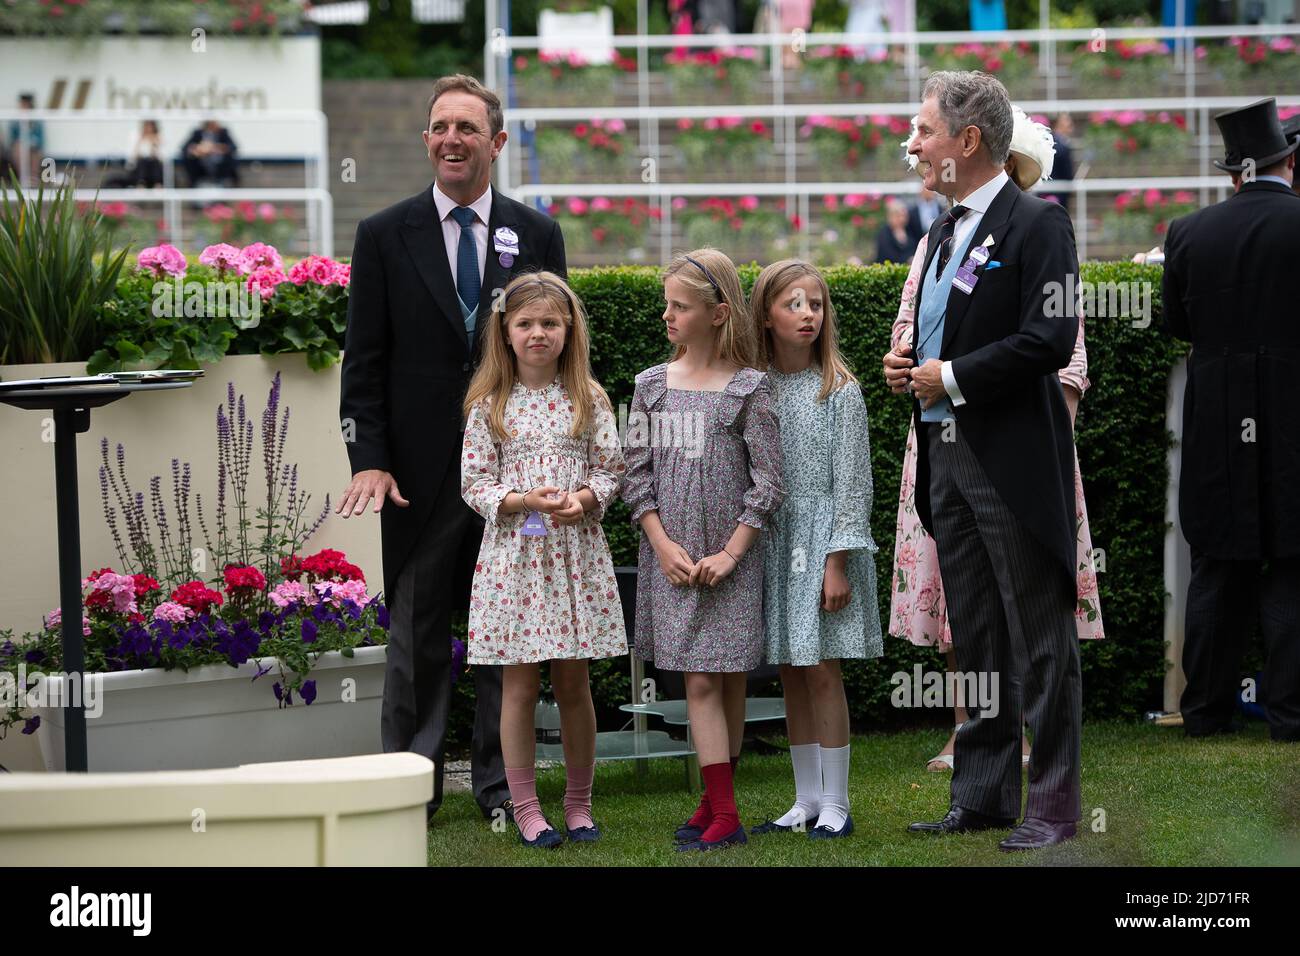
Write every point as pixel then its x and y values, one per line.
pixel 523 794
pixel 722 799
pixel 703 814
pixel 577 797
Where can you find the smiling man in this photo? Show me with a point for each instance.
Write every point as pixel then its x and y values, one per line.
pixel 995 459
pixel 426 273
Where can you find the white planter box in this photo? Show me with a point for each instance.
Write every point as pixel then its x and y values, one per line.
pixel 217 716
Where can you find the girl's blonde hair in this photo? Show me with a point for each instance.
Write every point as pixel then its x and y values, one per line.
pixel 712 278
pixel 769 286
pixel 497 373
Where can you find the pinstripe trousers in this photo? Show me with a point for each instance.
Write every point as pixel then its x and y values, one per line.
pixel 1011 612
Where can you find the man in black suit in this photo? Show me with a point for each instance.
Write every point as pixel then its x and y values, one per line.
pixel 1227 291
pixel 995 322
pixel 426 274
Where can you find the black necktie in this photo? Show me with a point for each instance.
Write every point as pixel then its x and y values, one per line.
pixel 946 230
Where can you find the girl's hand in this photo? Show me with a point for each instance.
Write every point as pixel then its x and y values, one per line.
pixel 547 499
pixel 713 569
pixel 675 563
pixel 836 592
pixel 572 512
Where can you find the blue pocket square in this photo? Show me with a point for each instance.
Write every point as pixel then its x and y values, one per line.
pixel 992 264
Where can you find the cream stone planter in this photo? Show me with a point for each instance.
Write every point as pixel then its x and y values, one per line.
pixel 217 716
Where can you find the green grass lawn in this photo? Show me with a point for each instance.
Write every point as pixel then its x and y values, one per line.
pixel 1167 801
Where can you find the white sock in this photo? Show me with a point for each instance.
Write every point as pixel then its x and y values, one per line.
pixel 807 762
pixel 835 787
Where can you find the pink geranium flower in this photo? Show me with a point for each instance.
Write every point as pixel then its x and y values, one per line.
pixel 320 270
pixel 257 256
pixel 161 259
pixel 172 612
pixel 54 621
pixel 223 256
pixel 287 592
pixel 264 279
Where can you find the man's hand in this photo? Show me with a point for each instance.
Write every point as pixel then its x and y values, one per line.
pixel 927 383
pixel 898 370
pixel 371 483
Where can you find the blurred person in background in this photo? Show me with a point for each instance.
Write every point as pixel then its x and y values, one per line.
pixel 209 156
pixel 894 241
pixel 26 142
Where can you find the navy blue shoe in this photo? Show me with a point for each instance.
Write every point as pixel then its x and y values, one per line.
pixel 771 826
pixel 584 834
pixel 687 833
pixel 546 840
pixel 733 838
pixel 826 833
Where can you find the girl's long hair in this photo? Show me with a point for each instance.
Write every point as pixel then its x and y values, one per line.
pixel 734 339
pixel 497 373
pixel 768 289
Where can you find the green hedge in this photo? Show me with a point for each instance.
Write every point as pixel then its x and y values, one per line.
pixel 1121 435
pixel 1122 442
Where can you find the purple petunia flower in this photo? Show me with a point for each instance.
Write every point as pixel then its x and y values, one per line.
pixel 34 657
pixel 262 671
pixel 277 690
pixel 308 630
pixel 30 725
pixel 381 617
pixel 308 691
pixel 457 658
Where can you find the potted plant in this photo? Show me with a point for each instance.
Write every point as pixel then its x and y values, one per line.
pixel 213 626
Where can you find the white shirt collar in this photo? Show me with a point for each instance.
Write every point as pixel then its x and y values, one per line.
pixel 482 206
pixel 980 200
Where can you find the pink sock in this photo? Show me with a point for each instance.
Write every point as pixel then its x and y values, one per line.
pixel 523 793
pixel 577 797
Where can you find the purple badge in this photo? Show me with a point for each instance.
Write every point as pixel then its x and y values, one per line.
pixel 507 260
pixel 533 524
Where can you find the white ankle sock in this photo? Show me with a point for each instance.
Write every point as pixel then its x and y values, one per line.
pixel 835 787
pixel 807 785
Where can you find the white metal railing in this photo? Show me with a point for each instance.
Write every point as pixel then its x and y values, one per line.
pixel 500 45
pixel 510 172
pixel 314 194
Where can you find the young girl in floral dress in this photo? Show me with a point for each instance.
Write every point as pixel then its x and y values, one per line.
pixel 819 589
pixel 704 475
pixel 541 461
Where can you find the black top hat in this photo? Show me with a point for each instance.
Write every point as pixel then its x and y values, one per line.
pixel 1253 132
pixel 1291 127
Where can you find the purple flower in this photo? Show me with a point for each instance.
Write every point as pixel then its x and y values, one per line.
pixel 308 691
pixel 266 620
pixel 277 690
pixel 262 671
pixel 381 617
pixel 351 608
pixel 34 657
pixel 308 630
pixel 29 727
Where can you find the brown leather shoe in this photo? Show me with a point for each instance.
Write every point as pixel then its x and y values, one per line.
pixel 1035 833
pixel 960 820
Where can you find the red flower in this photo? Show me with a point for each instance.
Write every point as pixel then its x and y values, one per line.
pixel 291 567
pixel 239 578
pixel 99 601
pixel 196 596
pixel 144 584
pixel 330 565
pixel 580 130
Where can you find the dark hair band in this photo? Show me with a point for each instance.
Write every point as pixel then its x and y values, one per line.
pixel 707 274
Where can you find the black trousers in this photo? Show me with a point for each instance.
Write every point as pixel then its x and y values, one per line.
pixel 1225 601
pixel 1011 610
pixel 432 585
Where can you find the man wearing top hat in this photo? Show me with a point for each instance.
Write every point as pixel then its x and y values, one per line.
pixel 1228 289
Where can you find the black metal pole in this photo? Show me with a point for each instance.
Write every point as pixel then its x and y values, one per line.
pixel 66 422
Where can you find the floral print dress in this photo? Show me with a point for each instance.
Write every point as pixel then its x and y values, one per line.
pixel 704 461
pixel 542 597
pixel 917 608
pixel 827 507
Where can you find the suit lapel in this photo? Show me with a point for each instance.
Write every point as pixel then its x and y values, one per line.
pixel 994 223
pixel 495 275
pixel 422 235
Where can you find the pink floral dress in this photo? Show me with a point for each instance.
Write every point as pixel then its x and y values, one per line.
pixel 542 597
pixel 917 610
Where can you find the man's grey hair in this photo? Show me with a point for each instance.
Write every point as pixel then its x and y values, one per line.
pixel 972 98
